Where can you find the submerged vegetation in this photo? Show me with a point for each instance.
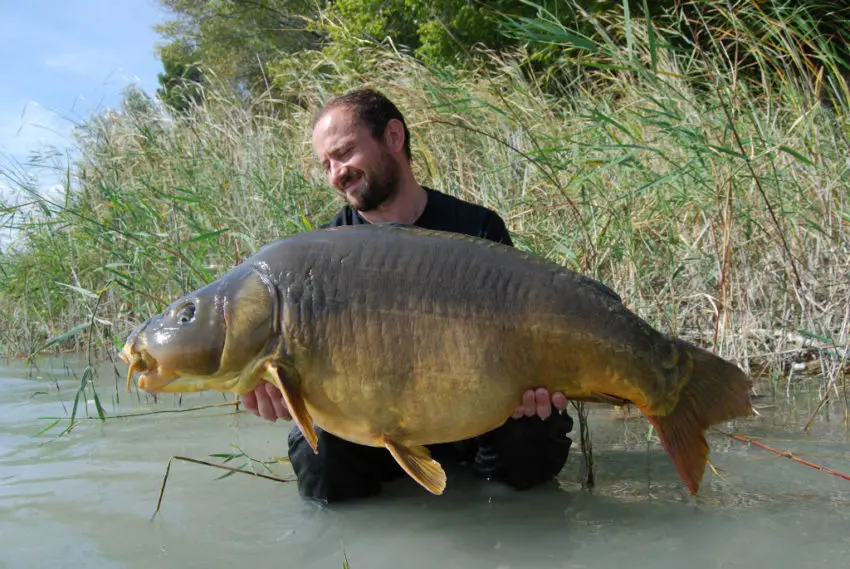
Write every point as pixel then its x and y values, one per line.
pixel 696 162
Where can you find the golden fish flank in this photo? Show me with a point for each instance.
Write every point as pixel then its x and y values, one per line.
pixel 372 351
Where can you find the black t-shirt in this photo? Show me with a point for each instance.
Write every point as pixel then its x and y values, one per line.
pixel 444 213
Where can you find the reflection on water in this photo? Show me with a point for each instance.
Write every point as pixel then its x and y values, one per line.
pixel 86 499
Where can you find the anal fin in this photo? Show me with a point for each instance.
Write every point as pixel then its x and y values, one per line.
pixel 417 462
pixel 296 405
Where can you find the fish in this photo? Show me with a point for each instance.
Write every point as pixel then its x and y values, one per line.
pixel 390 335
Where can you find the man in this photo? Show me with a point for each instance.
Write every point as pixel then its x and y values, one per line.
pixel 363 144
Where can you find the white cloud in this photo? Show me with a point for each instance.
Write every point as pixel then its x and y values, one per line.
pixel 72 59
pixel 67 60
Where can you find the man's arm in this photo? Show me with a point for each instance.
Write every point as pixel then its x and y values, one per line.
pixel 496 230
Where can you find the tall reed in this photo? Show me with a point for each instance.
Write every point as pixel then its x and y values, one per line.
pixel 713 199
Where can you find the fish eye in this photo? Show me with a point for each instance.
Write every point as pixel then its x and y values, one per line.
pixel 186 313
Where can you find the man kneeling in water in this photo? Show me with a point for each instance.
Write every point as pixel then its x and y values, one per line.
pixel 363 143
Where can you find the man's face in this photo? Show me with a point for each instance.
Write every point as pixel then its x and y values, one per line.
pixel 360 168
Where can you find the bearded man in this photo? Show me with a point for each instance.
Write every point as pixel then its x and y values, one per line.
pixel 363 144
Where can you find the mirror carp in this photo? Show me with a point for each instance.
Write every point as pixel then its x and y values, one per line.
pixel 400 337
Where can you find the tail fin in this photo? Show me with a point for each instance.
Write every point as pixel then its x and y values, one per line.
pixel 717 391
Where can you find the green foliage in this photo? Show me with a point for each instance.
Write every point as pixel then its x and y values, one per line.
pixel 236 40
pixel 181 83
pixel 245 42
pixel 715 202
pixel 439 32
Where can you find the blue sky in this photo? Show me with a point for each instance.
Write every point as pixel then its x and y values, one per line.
pixel 62 59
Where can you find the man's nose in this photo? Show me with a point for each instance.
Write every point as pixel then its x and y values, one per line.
pixel 337 172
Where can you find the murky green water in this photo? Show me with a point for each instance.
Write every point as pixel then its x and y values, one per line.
pixel 86 499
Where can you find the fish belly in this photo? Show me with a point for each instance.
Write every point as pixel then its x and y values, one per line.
pixel 429 379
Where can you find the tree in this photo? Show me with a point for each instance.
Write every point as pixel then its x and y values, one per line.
pixel 235 40
pixel 182 81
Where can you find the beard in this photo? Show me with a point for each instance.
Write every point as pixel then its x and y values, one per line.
pixel 380 185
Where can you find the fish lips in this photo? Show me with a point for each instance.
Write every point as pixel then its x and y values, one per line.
pixel 138 359
pixel 155 381
pixel 154 377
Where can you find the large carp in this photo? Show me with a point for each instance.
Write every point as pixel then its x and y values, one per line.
pixel 399 337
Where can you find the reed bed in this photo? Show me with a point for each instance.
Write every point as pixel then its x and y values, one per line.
pixel 707 184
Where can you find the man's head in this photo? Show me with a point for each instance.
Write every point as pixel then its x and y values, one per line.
pixel 363 143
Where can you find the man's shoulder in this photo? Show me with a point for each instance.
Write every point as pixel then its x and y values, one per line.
pixel 455 214
pixel 454 203
pixel 346 215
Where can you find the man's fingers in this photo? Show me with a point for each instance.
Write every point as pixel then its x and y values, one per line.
pixel 559 400
pixel 543 406
pixel 264 405
pixel 271 390
pixel 280 409
pixel 528 403
pixel 278 404
pixel 249 401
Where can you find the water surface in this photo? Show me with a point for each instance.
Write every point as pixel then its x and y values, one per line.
pixel 86 499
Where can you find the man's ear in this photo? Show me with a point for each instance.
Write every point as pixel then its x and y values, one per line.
pixel 394 135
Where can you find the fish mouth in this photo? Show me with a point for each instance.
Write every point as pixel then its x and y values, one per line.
pixel 154 378
pixel 157 379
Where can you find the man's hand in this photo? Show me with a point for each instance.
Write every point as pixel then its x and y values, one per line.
pixel 266 401
pixel 536 402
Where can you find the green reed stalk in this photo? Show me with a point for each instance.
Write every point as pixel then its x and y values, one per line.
pixel 705 183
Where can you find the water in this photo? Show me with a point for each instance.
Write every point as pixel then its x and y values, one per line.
pixel 87 498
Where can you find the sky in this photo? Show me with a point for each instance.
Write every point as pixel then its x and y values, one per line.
pixel 62 59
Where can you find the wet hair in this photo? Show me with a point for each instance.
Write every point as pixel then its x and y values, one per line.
pixel 372 109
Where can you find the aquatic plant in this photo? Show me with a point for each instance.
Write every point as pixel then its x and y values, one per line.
pixel 706 183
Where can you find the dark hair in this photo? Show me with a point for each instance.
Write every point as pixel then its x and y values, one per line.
pixel 372 109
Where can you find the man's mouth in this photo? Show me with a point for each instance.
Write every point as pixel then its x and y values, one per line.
pixel 351 183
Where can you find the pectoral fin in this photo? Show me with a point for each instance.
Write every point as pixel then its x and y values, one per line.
pixel 417 462
pixel 296 406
